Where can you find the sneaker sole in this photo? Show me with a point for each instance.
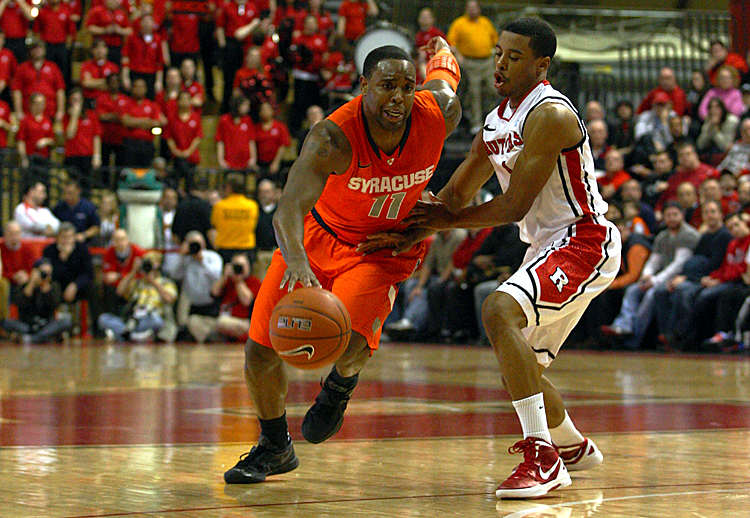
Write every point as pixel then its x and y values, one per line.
pixel 535 491
pixel 591 460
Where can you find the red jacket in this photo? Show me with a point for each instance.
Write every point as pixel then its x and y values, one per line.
pixel 733 265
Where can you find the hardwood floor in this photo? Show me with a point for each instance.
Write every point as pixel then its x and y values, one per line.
pixel 95 430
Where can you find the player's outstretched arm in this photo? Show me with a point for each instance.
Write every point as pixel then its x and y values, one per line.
pixel 443 75
pixel 549 129
pixel 325 151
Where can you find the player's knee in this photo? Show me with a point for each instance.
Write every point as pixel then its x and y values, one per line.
pixel 501 311
pixel 259 358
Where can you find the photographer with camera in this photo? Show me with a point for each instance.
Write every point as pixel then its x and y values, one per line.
pixel 197 271
pixel 236 289
pixel 37 304
pixel 307 53
pixel 148 311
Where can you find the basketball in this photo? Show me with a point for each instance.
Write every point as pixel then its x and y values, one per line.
pixel 310 328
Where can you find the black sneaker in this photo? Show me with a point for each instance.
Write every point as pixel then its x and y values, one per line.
pixel 263 460
pixel 326 416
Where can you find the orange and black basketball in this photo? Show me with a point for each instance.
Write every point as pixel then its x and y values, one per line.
pixel 310 328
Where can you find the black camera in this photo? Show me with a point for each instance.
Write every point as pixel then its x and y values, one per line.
pixel 238 269
pixel 194 248
pixel 43 274
pixel 147 266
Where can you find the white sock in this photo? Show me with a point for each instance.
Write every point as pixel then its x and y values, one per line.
pixel 566 433
pixel 530 411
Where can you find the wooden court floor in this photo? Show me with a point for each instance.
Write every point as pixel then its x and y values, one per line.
pixel 95 430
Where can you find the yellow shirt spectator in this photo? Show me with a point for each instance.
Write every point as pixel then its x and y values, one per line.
pixel 475 38
pixel 235 218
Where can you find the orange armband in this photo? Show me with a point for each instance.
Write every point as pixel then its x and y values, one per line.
pixel 443 65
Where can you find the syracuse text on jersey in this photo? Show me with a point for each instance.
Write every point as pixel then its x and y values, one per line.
pixel 385 184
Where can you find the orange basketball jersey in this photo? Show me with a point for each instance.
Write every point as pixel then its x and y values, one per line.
pixel 378 191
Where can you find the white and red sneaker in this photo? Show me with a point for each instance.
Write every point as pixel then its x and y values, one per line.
pixel 541 471
pixel 582 456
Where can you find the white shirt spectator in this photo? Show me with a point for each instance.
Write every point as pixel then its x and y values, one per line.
pixel 35 221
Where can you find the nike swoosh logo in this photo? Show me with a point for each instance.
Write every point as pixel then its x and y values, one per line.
pixel 547 475
pixel 359 164
pixel 487 127
pixel 307 349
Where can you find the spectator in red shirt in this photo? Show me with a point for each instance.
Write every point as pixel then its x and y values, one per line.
pixel 720 55
pixel 314 8
pixel 615 174
pixel 143 57
pixel 690 169
pixel 340 75
pixel 167 98
pixel 55 26
pixel 237 289
pixel 191 84
pixel 112 24
pixel 140 118
pixel 38 75
pixel 253 82
pixel 184 41
pixel 110 107
pixel 272 141
pixel 94 72
pixel 17 259
pixel 427 31
pixel 352 17
pixel 236 21
pixel 35 135
pixel 183 134
pixel 8 124
pixel 308 49
pixel 83 143
pixel 235 137
pixel 117 262
pixel 668 85
pixel 15 16
pixel 8 64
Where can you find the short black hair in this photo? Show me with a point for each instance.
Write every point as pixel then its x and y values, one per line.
pixel 673 205
pixel 542 39
pixel 379 54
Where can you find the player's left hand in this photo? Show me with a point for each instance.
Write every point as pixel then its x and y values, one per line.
pixel 379 241
pixel 434 214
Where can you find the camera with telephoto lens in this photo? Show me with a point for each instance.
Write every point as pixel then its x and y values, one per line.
pixel 147 266
pixel 194 248
pixel 238 269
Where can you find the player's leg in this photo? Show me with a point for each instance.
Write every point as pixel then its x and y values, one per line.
pixel 368 290
pixel 325 417
pixel 542 470
pixel 577 452
pixel 267 384
pixel 527 320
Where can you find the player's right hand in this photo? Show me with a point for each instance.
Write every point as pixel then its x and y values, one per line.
pixel 301 274
pixel 434 46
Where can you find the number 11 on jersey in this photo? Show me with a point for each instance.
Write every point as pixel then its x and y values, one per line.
pixel 395 205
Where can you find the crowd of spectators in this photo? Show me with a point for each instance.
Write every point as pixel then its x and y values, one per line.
pixel 674 167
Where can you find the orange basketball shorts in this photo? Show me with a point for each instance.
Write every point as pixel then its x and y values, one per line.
pixel 367 285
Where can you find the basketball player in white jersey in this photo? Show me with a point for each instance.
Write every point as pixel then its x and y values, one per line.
pixel 537 145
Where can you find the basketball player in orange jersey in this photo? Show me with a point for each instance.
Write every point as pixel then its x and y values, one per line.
pixel 359 172
pixel 536 144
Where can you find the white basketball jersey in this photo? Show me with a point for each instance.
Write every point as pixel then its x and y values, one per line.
pixel 571 192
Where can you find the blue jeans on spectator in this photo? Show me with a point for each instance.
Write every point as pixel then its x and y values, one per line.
pixel 118 325
pixel 673 309
pixel 51 329
pixel 635 314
